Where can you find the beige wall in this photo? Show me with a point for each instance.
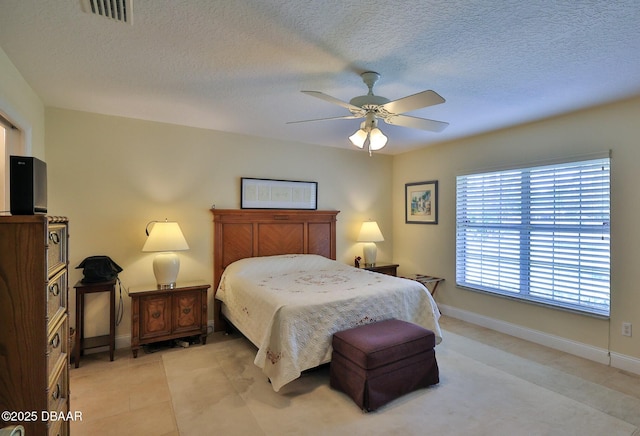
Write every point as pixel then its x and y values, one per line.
pixel 111 176
pixel 431 248
pixel 22 106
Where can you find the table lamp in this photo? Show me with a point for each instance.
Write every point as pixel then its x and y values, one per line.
pixel 370 234
pixel 165 238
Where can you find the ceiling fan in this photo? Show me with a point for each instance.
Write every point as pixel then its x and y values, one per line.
pixel 373 107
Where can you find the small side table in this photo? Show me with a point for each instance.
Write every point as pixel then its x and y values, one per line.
pixel 109 340
pixel 429 282
pixel 390 269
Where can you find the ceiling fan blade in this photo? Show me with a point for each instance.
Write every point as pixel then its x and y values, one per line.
pixel 413 102
pixel 416 123
pixel 346 117
pixel 333 100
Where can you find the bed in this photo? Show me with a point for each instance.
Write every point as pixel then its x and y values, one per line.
pixel 278 283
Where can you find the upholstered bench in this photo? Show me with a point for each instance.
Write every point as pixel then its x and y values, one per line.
pixel 379 362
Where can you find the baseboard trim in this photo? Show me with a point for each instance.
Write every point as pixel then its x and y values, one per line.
pixel 625 363
pixel 596 354
pixel 123 341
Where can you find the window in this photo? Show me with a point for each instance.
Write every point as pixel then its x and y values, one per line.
pixel 540 234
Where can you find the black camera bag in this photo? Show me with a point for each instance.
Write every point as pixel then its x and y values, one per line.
pixel 99 269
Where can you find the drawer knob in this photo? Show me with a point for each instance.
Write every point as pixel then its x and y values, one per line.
pixel 54 289
pixel 55 342
pixel 56 392
pixel 155 315
pixel 54 237
pixel 186 310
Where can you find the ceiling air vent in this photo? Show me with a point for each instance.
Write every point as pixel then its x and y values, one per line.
pixel 118 10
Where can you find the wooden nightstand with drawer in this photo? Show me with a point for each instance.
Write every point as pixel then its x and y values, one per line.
pixel 164 314
pixel 390 269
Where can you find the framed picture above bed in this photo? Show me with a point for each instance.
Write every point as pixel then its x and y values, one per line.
pixel 278 194
pixel 421 202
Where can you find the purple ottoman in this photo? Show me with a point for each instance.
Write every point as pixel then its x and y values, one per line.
pixel 379 362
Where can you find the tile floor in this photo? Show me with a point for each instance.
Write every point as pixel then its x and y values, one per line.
pixel 132 396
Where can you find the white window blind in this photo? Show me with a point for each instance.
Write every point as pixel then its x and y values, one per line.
pixel 541 234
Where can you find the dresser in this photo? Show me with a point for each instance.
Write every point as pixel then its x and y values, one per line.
pixel 34 323
pixel 164 314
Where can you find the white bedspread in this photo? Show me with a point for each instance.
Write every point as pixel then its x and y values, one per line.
pixel 289 306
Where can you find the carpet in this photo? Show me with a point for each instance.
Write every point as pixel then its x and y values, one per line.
pixel 216 388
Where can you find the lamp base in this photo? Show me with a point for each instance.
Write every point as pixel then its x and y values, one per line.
pixel 166 286
pixel 165 268
pixel 370 251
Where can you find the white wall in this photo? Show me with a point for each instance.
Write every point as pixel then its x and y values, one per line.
pixel 430 249
pixel 112 175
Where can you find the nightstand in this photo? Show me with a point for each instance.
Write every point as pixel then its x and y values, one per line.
pixel 390 269
pixel 164 314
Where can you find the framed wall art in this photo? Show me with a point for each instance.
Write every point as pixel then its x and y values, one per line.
pixel 421 202
pixel 277 194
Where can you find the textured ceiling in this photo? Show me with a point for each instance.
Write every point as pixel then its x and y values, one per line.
pixel 239 65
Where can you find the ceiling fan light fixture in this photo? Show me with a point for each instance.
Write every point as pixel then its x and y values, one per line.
pixel 377 139
pixel 358 138
pixel 371 107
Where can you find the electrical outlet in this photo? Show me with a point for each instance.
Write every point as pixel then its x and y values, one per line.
pixel 626 329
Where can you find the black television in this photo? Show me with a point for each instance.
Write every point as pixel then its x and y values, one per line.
pixel 28 185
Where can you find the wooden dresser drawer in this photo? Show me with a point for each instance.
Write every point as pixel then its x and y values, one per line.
pixel 58 428
pixel 57 247
pixel 59 391
pixel 57 295
pixel 58 343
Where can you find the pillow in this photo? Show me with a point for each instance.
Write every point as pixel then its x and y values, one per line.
pixel 280 264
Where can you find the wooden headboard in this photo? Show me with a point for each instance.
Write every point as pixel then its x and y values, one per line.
pixel 242 233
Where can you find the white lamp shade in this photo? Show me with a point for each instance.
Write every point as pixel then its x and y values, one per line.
pixel 358 138
pixel 370 232
pixel 377 140
pixel 369 129
pixel 165 236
